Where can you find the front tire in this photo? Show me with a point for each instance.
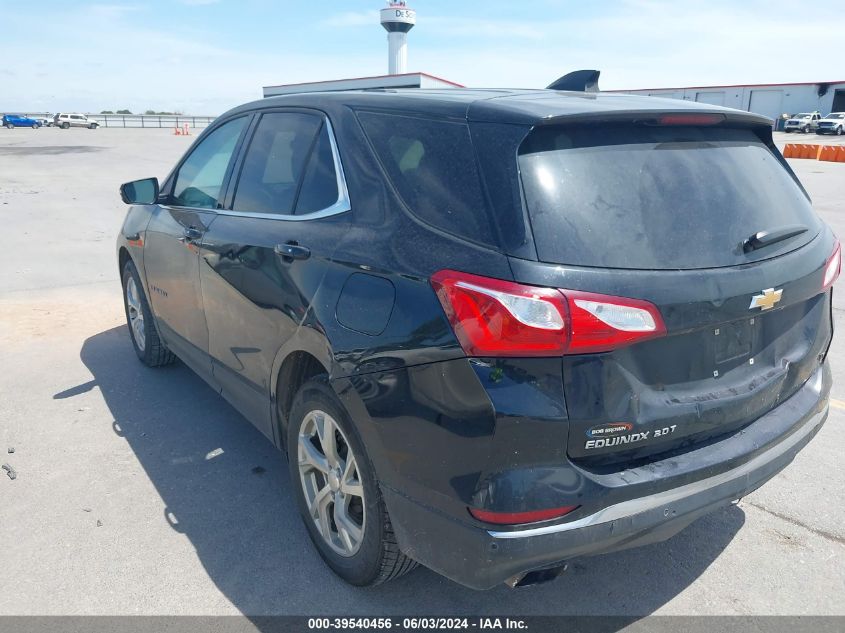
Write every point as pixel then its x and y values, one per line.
pixel 839 131
pixel 65 125
pixel 337 491
pixel 93 126
pixel 150 349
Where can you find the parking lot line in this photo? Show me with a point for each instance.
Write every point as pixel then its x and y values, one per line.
pixel 837 404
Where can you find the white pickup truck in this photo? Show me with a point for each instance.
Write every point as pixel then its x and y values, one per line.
pixel 802 122
pixel 833 123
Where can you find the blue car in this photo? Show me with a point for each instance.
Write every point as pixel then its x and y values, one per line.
pixel 15 120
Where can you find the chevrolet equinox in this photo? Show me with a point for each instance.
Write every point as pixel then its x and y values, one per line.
pixel 492 330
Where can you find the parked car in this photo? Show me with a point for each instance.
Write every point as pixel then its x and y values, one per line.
pixel 492 331
pixel 833 123
pixel 44 120
pixel 15 120
pixel 66 121
pixel 803 122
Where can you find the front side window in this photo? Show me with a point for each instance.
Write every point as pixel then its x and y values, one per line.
pixel 200 180
pixel 288 167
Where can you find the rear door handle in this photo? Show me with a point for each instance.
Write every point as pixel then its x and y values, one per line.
pixel 190 234
pixel 290 251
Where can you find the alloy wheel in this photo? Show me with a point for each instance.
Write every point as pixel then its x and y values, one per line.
pixel 136 313
pixel 331 483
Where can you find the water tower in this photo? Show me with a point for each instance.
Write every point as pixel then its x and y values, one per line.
pixel 398 19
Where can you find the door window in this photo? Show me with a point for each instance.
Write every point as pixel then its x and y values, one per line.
pixel 289 167
pixel 200 179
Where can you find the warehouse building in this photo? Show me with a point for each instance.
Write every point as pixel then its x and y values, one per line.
pixel 405 80
pixel 771 100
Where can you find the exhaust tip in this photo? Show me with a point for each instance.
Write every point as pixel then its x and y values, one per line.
pixel 536 577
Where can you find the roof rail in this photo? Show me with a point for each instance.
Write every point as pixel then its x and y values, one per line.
pixel 578 81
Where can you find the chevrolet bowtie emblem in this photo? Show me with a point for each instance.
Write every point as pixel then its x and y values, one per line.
pixel 767 300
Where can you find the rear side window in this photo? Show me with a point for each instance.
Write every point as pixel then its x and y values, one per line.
pixel 201 176
pixel 432 165
pixel 319 186
pixel 288 166
pixel 656 197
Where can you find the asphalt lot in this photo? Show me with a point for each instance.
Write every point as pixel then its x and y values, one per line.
pixel 121 506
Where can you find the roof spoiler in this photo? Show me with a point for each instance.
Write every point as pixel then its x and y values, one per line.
pixel 577 81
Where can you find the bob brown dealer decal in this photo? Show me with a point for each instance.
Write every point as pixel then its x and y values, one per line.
pixel 617 433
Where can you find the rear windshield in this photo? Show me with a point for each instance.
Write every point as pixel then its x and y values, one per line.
pixel 657 197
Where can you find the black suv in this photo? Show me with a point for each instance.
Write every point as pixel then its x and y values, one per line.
pixel 493 330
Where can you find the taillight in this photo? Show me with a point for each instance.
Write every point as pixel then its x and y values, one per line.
pixel 515 518
pixel 600 323
pixel 491 317
pixel 832 266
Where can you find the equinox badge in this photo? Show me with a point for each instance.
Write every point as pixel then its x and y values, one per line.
pixel 767 299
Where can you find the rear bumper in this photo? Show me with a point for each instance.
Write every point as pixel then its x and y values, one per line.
pixel 482 558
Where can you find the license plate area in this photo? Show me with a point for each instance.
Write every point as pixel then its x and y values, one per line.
pixel 735 342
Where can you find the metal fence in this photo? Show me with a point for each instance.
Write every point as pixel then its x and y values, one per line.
pixel 144 120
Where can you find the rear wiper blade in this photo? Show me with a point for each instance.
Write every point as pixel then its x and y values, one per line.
pixel 761 239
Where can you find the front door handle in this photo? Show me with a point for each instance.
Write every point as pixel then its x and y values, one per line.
pixel 290 251
pixel 190 234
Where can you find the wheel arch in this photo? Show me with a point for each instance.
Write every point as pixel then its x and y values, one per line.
pixel 123 256
pixel 306 355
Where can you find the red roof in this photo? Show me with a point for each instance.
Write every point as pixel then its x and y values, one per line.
pixel 330 81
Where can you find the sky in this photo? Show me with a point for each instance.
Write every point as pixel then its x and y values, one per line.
pixel 205 56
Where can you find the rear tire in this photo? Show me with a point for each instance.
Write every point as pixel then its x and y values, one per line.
pixel 150 349
pixel 365 553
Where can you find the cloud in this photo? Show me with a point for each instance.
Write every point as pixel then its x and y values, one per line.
pixel 103 57
pixel 483 28
pixel 162 67
pixel 641 43
pixel 348 19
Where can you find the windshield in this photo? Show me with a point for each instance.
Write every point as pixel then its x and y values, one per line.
pixel 656 197
pixel 836 115
pixel 803 115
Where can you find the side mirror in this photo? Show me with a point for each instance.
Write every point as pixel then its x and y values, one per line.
pixel 140 191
